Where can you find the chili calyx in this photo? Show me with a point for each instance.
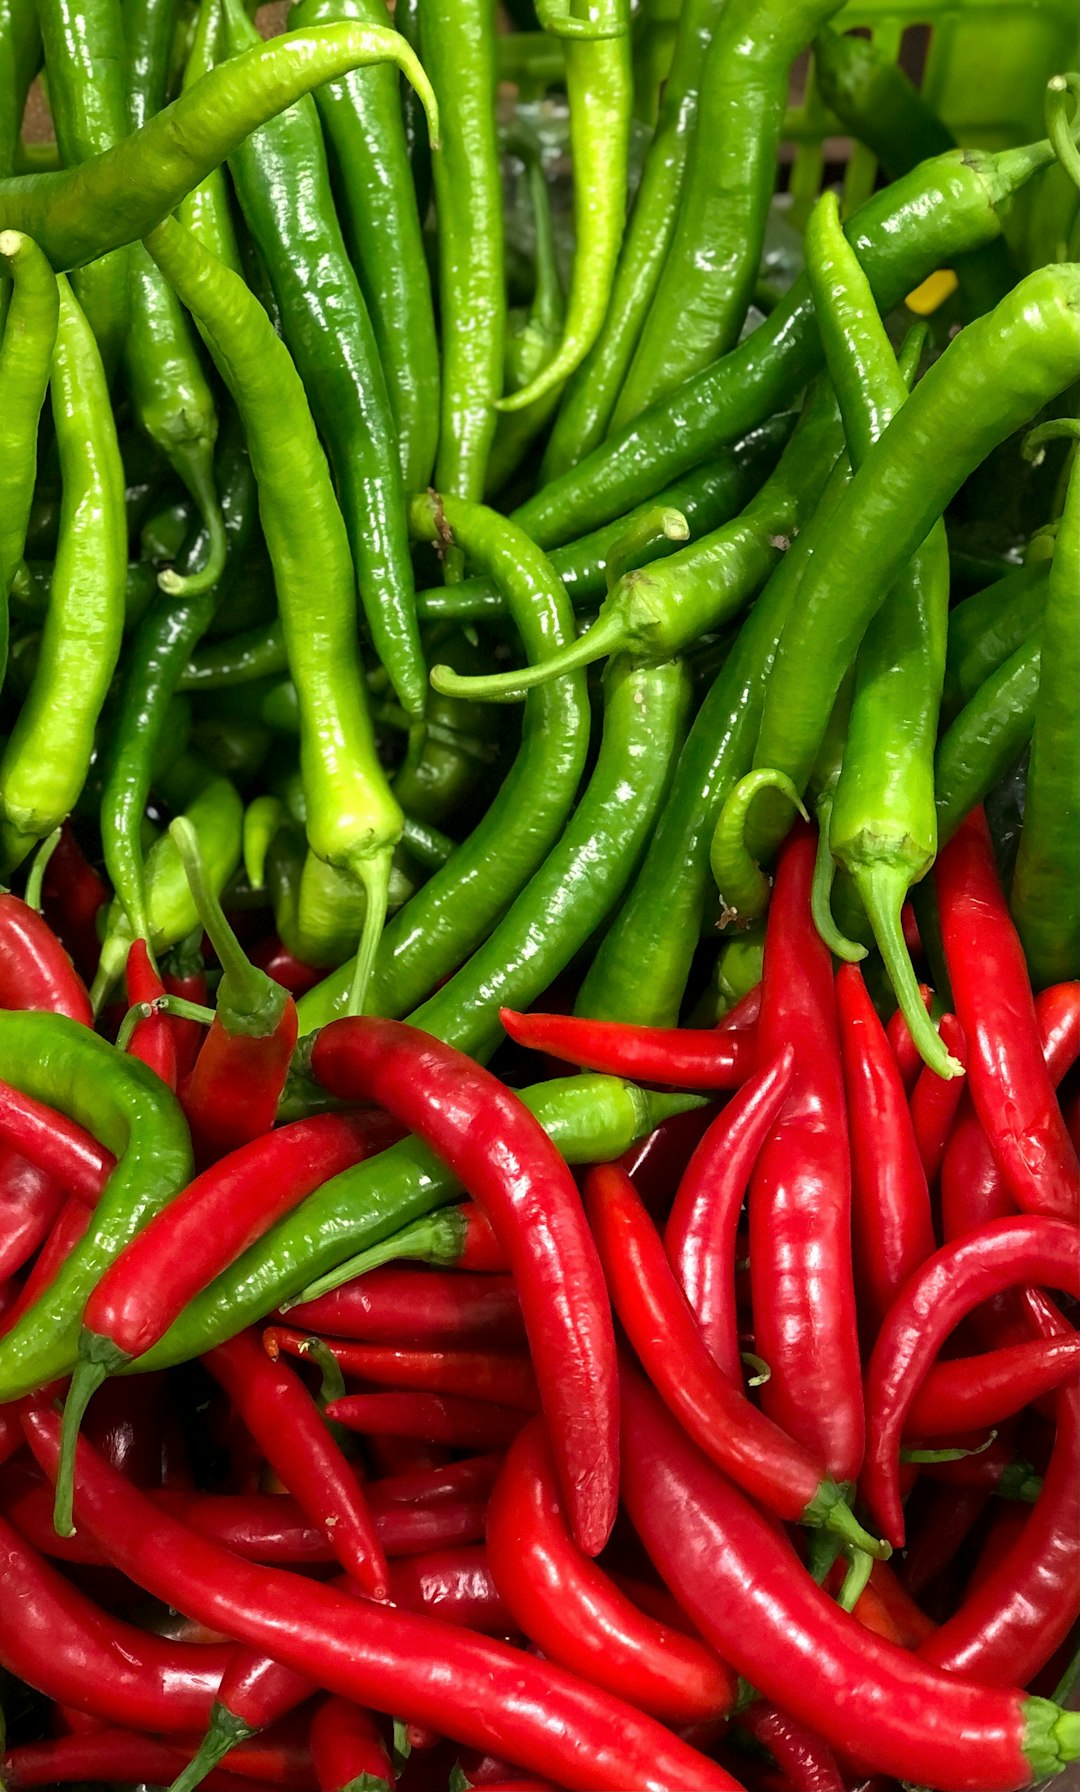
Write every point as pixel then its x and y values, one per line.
pixel 248 1001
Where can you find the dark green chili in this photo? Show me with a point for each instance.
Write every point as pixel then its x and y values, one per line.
pixel 533 332
pixel 987 737
pixel 902 234
pixel 26 350
pixel 1046 884
pixel 986 628
pixel 362 118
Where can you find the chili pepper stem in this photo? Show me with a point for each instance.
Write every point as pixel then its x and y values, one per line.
pixel 743 886
pixel 389 1250
pixel 374 873
pixel 98 1359
pixel 198 475
pixel 830 1511
pixel 139 1011
pixel 883 890
pixel 606 636
pixel 1051 1737
pixel 248 1001
pixel 855 1580
pixel 851 951
pixel 38 868
pixel 223 1733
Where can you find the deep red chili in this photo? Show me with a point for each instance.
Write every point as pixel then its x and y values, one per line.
pixel 892 1224
pixel 935 1100
pixel 947 1520
pixel 114 1755
pixel 30 1202
pixel 35 971
pixel 700 1234
pixel 72 896
pixel 70 1224
pixel 473 1688
pixel 416 1306
pixel 800 1192
pixel 58 1146
pixel 506 1161
pixel 1008 1253
pixel 280 964
pixel 186 977
pixel 152 1041
pixel 806 1762
pixel 1010 1085
pixel 656 1162
pixel 716 1058
pixel 435 1418
pixel 908 1057
pixel 504 1378
pixel 968 1392
pixel 346 1743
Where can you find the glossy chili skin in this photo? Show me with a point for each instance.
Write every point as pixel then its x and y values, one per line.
pixel 151 1040
pixel 453 1237
pixel 987 628
pixel 935 1101
pixel 1010 1085
pixel 547 1719
pixel 510 1167
pixel 800 1191
pixel 123 1753
pixel 35 971
pixel 680 1056
pixel 571 1610
pixel 26 347
pixel 503 1377
pixel 1005 1254
pixel 966 1393
pixel 807 1763
pixel 751 1597
pixel 453 1419
pixel 54 1144
pixel 986 737
pixel 893 1226
pixel 345 1744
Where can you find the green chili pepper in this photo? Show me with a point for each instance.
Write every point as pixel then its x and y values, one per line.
pixel 450 765
pixel 655 33
pixel 283 184
pixel 127 1107
pixel 900 235
pixel 353 819
pixel 987 737
pixel 237 659
pixel 48 754
pixel 456 910
pixel 743 886
pixel 321 919
pixel 26 350
pixel 362 117
pixel 592 392
pixel 883 824
pixel 600 91
pixel 591 1119
pixel 1063 100
pixel 739 966
pixel 821 890
pixel 262 819
pixel 429 846
pixel 458 45
pixel 991 379
pixel 533 333
pixel 660 610
pixel 987 628
pixel 20 58
pixel 81 213
pixel 708 278
pixel 1046 883
pixel 206 210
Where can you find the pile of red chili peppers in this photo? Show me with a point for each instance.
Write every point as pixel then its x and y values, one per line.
pixel 540 938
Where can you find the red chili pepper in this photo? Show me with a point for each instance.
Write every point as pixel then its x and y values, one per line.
pixel 508 1164
pixel 293 1436
pixel 893 1229
pixel 152 1040
pixel 745 1589
pixel 656 1161
pixel 55 1639
pixel 35 971
pixel 1010 1085
pixel 30 1202
pixel 472 1477
pixel 909 1622
pixel 935 1100
pixel 477 1690
pixel 1018 1615
pixel 1006 1254
pixel 715 1412
pixel 346 1744
pixel 969 1392
pixel 234 1089
pixel 806 1762
pixel 435 1418
pixel 184 975
pixel 947 1521
pixel 126 1427
pixel 701 1229
pixel 800 1192
pixel 416 1306
pixel 1007 1525
pixel 480 1374
pixel 458 1237
pixel 686 1059
pixel 576 1614
pixel 907 1054
pixel 991 1463
pixel 114 1755
pixel 71 1223
pixel 278 962
pixel 72 896
pixel 57 1145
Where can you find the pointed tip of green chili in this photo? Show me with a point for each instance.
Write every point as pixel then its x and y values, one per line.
pixel 607 636
pixel 742 885
pixel 882 889
pixel 849 951
pixel 90 1372
pixel 195 466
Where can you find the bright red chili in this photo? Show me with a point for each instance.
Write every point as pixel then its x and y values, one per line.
pixel 416 1306
pixel 908 1057
pixel 504 1378
pixel 700 1234
pixel 576 1614
pixel 967 1392
pixel 35 971
pixel 1006 1254
pixel 716 1058
pixel 58 1146
pixel 745 1589
pixel 152 1041
pixel 185 977
pixel 280 964
pixel 434 1418
pixel 508 1164
pixel 472 1477
pixel 800 1192
pixel 70 1224
pixel 893 1229
pixel 30 1202
pixel 1010 1085
pixel 346 1743
pixel 935 1100
pixel 473 1688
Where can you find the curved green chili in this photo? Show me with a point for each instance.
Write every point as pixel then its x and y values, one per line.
pixel 362 117
pixel 455 911
pixel 599 88
pixel 900 235
pixel 458 44
pixel 742 885
pixel 701 299
pixel 128 1107
pixel 987 737
pixel 1060 127
pixel 821 890
pixel 533 333
pixel 353 818
pixel 989 626
pixel 1046 883
pixel 26 350
pixel 48 753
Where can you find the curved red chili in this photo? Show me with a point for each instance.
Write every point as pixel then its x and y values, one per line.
pixel 1006 1254
pixel 892 1224
pixel 71 1223
pixel 58 1146
pixel 800 1192
pixel 700 1234
pixel 1010 1085
pixel 657 1160
pixel 348 1751
pixel 72 896
pixel 716 1058
pixel 433 1418
pixel 35 971
pixel 504 1378
pixel 416 1306
pixel 571 1609
pixel 152 1040
pixel 935 1100
pixel 907 1054
pixel 806 1763
pixel 967 1393
pixel 30 1203
pixel 508 1164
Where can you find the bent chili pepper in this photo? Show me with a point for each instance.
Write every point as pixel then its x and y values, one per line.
pixel 347 1750
pixel 677 1055
pixel 751 1598
pixel 966 1393
pixel 67 1153
pixel 510 1167
pixel 433 1418
pixel 1010 1085
pixel 454 1237
pixel 1005 1254
pixel 580 1618
pixel 35 971
pixel 714 1411
pixel 544 1717
pixel 502 1377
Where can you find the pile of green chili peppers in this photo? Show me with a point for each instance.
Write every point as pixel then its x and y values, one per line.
pixel 413 474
